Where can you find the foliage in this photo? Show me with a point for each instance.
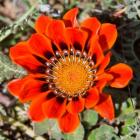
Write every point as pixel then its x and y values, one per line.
pixel 90 118
pixel 8 70
pixel 133 9
pixel 51 127
pixel 103 132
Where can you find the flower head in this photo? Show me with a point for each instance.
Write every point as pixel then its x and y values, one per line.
pixel 67 64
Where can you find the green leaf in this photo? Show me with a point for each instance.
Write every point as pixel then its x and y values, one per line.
pixel 49 126
pixel 90 117
pixel 78 134
pixel 104 132
pixel 128 116
pixel 127 107
pixel 129 120
pixel 9 70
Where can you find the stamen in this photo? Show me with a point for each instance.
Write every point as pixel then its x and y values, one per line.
pixel 91 63
pixel 78 53
pixel 72 51
pixel 51 86
pixel 71 74
pixel 65 53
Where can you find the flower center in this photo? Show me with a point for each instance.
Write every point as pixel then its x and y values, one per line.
pixel 72 73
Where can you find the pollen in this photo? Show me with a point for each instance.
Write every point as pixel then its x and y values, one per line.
pixel 72 75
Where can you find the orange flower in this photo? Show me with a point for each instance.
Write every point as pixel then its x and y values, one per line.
pixel 67 69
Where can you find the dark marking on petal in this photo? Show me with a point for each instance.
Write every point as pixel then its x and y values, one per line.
pixel 50 96
pixel 88 31
pixel 54 47
pixel 44 87
pixel 75 98
pixel 40 59
pixel 63 46
pixel 60 99
pixel 41 79
pixel 103 41
pixel 48 55
pixel 41 69
pixel 94 58
pixel 86 48
pixel 77 46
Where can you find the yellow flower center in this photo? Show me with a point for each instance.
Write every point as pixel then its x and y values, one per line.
pixel 72 75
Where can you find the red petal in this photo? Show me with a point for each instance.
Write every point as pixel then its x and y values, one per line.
pixel 35 111
pixel 56 31
pixel 108 35
pixel 105 106
pixel 31 90
pixel 76 105
pixel 91 98
pixel 122 75
pixel 54 107
pixel 41 23
pixel 70 17
pixel 40 46
pixel 102 80
pixel 104 63
pixel 96 51
pixel 92 25
pixel 68 122
pixel 22 56
pixel 104 76
pixel 77 38
pixel 15 86
pixel 26 89
pixel 101 84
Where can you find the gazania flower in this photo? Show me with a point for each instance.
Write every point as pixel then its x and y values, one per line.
pixel 67 64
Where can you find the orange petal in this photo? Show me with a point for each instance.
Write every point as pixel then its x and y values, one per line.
pixel 108 35
pixel 104 63
pixel 95 51
pixel 70 18
pixel 15 86
pixel 105 106
pixel 76 105
pixel 22 56
pixel 40 46
pixel 101 84
pixel 35 111
pixel 54 107
pixel 56 32
pixel 27 88
pixel 41 23
pixel 31 90
pixel 122 75
pixel 92 25
pixel 77 38
pixel 68 122
pixel 104 76
pixel 91 98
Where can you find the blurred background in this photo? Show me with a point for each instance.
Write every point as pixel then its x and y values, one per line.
pixel 17 23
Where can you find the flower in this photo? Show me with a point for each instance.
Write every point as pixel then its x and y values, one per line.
pixel 67 64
